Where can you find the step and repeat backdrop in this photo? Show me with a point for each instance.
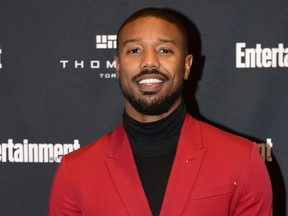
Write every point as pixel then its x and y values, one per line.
pixel 59 92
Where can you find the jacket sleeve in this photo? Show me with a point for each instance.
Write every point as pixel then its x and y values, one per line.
pixel 61 201
pixel 256 194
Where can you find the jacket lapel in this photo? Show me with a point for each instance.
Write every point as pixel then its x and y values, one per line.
pixel 123 171
pixel 187 163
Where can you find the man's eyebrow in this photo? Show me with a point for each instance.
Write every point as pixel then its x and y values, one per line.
pixel 160 40
pixel 131 40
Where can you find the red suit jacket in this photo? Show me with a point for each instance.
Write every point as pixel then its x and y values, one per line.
pixel 214 173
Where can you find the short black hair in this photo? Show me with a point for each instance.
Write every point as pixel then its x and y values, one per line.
pixel 164 14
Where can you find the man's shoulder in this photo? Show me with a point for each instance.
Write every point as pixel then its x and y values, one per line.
pixel 215 133
pixel 92 152
pixel 216 137
pixel 90 148
pixel 233 153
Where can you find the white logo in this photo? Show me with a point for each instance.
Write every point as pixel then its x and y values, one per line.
pixel 106 41
pixel 0 58
pixel 259 57
pixel 81 64
pixel 92 64
pixel 105 68
pixel 35 152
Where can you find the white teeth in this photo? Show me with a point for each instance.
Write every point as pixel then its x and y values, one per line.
pixel 150 81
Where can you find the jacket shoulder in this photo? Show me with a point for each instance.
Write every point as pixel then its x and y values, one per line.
pixel 88 153
pixel 222 141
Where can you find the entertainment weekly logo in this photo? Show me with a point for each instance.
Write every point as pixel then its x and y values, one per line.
pixel 261 57
pixel 105 68
pixel 27 152
pixel 265 150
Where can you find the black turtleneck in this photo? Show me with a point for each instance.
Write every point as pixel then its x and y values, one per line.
pixel 154 146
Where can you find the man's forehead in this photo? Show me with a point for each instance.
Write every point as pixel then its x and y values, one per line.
pixel 144 26
pixel 146 21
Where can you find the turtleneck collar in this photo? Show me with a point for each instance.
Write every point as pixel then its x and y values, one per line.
pixel 157 138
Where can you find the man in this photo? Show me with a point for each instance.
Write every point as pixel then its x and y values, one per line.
pixel 160 160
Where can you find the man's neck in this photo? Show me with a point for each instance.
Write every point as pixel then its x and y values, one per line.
pixel 155 138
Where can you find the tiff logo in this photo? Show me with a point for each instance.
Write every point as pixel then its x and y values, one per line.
pixel 106 41
pixel 0 58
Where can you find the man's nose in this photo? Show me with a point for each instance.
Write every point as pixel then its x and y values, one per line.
pixel 150 59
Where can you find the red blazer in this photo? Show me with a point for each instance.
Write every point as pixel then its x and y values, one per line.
pixel 214 173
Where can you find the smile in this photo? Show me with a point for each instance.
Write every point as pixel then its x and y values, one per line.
pixel 150 81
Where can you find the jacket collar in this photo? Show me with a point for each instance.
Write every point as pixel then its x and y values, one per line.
pixel 187 162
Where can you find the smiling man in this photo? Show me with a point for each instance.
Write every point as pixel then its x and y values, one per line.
pixel 151 62
pixel 160 160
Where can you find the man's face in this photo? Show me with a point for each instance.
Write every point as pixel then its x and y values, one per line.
pixel 151 65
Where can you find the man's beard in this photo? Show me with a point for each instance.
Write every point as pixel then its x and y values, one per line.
pixel 156 106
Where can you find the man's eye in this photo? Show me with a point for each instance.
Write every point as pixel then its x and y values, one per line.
pixel 132 51
pixel 165 51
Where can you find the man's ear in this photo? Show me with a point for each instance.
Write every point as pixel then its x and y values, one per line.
pixel 188 64
pixel 116 59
